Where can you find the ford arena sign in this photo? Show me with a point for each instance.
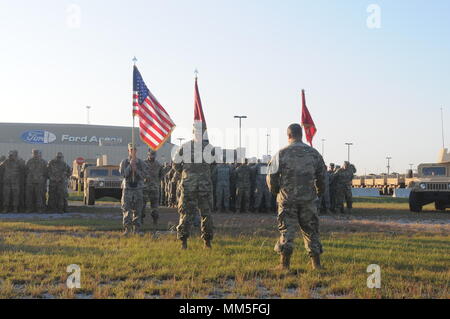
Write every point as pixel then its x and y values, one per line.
pixel 38 137
pixel 105 140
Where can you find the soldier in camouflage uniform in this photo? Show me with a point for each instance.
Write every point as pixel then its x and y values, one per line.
pixel 343 183
pixel 195 189
pixel 243 185
pixel 132 170
pixel 223 187
pixel 12 170
pixel 152 180
pixel 261 189
pixel 296 175
pixel 164 172
pixel 58 173
pixel 22 184
pixel 331 183
pixel 36 177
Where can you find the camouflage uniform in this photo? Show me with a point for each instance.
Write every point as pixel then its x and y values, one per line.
pixel 152 180
pixel 36 177
pixel 223 187
pixel 243 185
pixel 58 173
pixel 262 191
pixel 12 170
pixel 324 203
pixel 132 194
pixel 195 191
pixel 343 184
pixel 233 186
pixel 293 176
pixel 164 172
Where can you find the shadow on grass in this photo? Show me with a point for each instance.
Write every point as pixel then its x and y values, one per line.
pixel 51 250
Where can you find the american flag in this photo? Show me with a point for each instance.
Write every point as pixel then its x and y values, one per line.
pixel 155 124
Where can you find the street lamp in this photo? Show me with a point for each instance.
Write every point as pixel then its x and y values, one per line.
pixel 348 151
pixel 268 137
pixel 240 117
pixel 87 109
pixel 388 166
pixel 180 139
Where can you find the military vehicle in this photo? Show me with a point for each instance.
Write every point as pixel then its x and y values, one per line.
pixel 432 184
pixel 76 179
pixel 101 181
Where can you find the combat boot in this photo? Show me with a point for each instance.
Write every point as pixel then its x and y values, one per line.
pixel 207 244
pixel 184 244
pixel 155 221
pixel 315 261
pixel 285 262
pixel 126 232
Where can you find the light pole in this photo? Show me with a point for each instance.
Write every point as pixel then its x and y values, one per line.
pixel 348 151
pixel 240 117
pixel 323 146
pixel 388 166
pixel 87 109
pixel 180 139
pixel 268 137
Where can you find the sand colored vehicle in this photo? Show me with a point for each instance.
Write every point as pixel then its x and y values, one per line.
pixel 432 184
pixel 102 181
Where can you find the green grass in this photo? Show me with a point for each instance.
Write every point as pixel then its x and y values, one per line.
pixel 35 254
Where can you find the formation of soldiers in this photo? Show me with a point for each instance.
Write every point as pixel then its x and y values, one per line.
pixel 339 189
pixel 24 186
pixel 237 187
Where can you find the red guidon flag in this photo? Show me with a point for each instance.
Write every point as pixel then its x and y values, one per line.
pixel 155 124
pixel 307 121
pixel 199 117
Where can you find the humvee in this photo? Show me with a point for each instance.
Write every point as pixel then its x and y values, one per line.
pixel 101 181
pixel 76 180
pixel 431 185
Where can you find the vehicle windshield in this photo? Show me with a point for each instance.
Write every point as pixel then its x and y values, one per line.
pixel 433 171
pixel 115 172
pixel 98 173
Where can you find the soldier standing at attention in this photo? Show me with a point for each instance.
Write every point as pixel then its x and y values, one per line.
pixel 343 181
pixel 152 180
pixel 223 172
pixel 262 191
pixel 132 171
pixel 36 177
pixel 12 170
pixel 296 175
pixel 58 173
pixel 195 189
pixel 243 185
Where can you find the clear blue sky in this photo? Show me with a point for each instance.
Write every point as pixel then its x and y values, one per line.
pixel 381 89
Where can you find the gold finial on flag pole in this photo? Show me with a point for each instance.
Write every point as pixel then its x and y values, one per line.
pixel 134 60
pixel 196 73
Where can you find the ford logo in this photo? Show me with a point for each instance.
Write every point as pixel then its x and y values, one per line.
pixel 38 137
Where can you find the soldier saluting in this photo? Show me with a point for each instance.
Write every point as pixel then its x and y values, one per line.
pixel 293 176
pixel 132 171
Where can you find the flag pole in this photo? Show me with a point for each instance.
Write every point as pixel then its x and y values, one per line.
pixel 132 132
